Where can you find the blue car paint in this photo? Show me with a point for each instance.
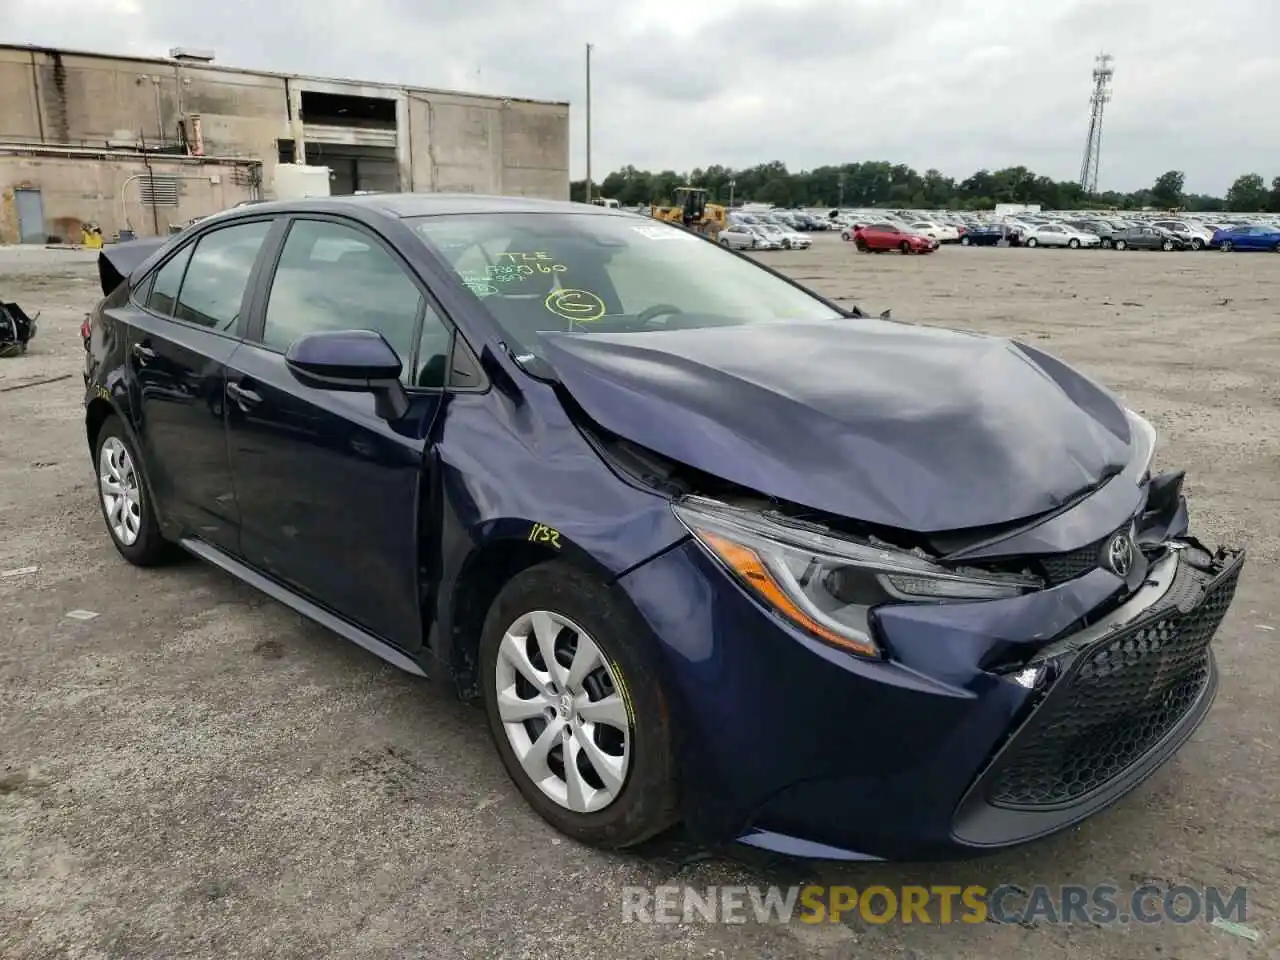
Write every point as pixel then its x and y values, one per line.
pixel 1258 237
pixel 784 742
pixel 913 428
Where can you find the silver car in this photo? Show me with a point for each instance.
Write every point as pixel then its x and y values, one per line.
pixel 1059 235
pixel 739 236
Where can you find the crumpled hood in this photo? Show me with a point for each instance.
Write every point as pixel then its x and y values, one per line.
pixel 910 427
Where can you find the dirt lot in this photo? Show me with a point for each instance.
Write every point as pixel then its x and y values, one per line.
pixel 198 772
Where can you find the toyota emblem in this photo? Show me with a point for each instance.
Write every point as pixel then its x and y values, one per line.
pixel 1120 554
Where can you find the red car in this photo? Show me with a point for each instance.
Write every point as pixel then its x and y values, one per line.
pixel 879 237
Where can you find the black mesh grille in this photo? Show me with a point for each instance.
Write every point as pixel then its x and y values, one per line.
pixel 1061 567
pixel 1118 700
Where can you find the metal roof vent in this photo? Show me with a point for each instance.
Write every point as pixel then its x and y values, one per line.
pixel 191 55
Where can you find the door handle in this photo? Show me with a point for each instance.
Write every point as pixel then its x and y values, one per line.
pixel 245 397
pixel 143 351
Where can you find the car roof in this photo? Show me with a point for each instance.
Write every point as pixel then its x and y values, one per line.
pixel 401 205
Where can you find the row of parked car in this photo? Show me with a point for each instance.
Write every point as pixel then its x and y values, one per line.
pixel 914 235
pixel 774 230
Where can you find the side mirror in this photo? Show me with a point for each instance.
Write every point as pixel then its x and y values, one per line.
pixel 352 361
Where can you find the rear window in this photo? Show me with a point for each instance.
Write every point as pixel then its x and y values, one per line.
pixel 540 273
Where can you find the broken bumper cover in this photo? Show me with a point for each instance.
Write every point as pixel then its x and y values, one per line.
pixel 793 747
pixel 1115 701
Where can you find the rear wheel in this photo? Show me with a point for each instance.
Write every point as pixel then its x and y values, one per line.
pixel 1197 243
pixel 1032 242
pixel 1106 243
pixel 1073 243
pixel 861 245
pixel 1226 246
pixel 124 498
pixel 905 247
pixel 1166 246
pixel 1120 244
pixel 576 707
pixel 964 241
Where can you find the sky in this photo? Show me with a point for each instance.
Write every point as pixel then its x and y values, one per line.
pixel 956 85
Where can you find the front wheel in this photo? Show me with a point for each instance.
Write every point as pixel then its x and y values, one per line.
pixel 965 241
pixel 1226 246
pixel 1073 243
pixel 1120 244
pixel 905 248
pixel 576 707
pixel 1197 243
pixel 1106 243
pixel 1167 246
pixel 124 498
pixel 1032 242
pixel 861 245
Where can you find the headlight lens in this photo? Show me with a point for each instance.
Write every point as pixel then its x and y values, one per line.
pixel 827 585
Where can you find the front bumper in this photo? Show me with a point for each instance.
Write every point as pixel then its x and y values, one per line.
pixel 944 749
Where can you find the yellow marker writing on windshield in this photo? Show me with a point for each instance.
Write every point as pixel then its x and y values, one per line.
pixel 580 306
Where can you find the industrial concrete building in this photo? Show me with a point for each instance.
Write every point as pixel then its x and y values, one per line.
pixel 148 144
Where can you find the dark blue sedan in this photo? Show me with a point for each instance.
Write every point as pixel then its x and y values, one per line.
pixel 1253 236
pixel 707 547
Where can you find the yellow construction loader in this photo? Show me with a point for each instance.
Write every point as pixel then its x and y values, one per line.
pixel 692 211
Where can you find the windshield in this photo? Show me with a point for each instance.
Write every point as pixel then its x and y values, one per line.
pixel 540 273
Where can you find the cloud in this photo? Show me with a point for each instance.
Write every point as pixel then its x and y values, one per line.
pixel 952 84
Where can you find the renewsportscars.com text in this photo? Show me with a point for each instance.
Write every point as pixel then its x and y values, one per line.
pixel 1007 903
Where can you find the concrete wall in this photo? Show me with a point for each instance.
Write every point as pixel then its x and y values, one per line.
pixel 511 148
pixel 77 190
pixel 446 141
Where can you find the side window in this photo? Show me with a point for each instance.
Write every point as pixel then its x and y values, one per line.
pixel 219 272
pixel 164 289
pixel 433 351
pixel 334 277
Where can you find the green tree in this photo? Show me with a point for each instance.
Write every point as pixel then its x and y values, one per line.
pixel 878 183
pixel 1166 192
pixel 1248 194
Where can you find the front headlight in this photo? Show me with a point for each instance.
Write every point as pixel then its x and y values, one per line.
pixel 826 584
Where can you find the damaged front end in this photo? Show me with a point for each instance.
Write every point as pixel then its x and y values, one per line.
pixel 1060 660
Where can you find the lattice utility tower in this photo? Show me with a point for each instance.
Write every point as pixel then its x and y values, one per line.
pixel 1102 73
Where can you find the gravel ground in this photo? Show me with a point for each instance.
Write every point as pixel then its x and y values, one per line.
pixel 198 772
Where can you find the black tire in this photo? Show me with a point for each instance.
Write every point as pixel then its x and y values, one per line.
pixel 861 245
pixel 1032 242
pixel 1197 243
pixel 964 241
pixel 1121 244
pixel 1106 243
pixel 905 248
pixel 1276 248
pixel 1073 244
pixel 648 802
pixel 1225 246
pixel 150 548
pixel 1166 246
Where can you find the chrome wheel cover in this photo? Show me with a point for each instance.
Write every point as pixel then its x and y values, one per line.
pixel 561 708
pixel 121 491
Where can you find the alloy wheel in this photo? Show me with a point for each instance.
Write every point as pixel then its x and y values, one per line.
pixel 560 706
pixel 121 491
